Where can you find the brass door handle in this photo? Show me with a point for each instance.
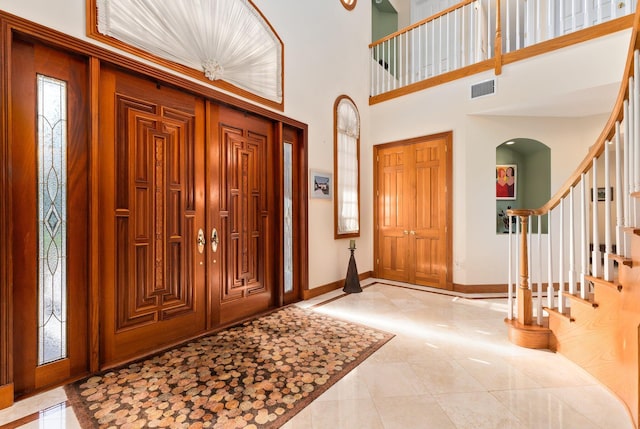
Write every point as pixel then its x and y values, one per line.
pixel 201 241
pixel 405 232
pixel 412 232
pixel 214 240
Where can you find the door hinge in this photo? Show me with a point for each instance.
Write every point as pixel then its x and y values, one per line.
pixel 377 261
pixel 377 158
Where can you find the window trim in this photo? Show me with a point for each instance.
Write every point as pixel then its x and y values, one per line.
pixel 337 191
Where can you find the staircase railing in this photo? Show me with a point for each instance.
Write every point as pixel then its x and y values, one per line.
pixel 592 221
pixel 474 36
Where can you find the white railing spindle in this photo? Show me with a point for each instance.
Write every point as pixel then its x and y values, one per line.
pixel 584 242
pixel 619 187
pixel 572 246
pixel 509 274
pixel 608 263
pixel 561 258
pixel 539 291
pixel 550 290
pixel 595 253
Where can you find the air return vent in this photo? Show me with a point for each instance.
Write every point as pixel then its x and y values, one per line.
pixel 488 87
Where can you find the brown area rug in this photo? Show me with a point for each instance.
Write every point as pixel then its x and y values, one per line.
pixel 255 375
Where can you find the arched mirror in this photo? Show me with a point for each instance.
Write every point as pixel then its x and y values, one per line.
pixel 346 152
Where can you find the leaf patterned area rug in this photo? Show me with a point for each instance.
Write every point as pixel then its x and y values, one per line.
pixel 255 375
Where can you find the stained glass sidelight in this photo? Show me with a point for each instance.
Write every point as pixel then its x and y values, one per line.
pixel 288 218
pixel 52 206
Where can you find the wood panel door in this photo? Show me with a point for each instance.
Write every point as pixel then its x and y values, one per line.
pixel 413 211
pixel 240 210
pixel 152 208
pixel 49 241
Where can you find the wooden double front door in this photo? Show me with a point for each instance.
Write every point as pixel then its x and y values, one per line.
pixel 186 215
pixel 140 215
pixel 413 211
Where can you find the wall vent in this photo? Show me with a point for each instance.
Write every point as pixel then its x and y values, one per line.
pixel 488 87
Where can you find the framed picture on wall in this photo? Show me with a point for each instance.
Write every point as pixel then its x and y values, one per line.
pixel 320 184
pixel 506 181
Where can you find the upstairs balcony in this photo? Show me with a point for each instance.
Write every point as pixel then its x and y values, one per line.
pixel 475 36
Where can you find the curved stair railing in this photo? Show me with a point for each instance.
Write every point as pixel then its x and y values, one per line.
pixel 576 289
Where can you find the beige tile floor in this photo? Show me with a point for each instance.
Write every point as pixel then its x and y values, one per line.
pixel 449 366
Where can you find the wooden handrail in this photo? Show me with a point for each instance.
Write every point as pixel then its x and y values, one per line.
pixel 424 21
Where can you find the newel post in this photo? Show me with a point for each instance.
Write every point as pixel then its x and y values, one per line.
pixel 525 305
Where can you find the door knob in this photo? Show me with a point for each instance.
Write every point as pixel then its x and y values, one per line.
pixel 412 232
pixel 201 241
pixel 405 232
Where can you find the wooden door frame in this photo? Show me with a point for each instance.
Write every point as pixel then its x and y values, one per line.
pixel 448 137
pixel 12 26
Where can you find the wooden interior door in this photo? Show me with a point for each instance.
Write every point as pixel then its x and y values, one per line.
pixel 152 207
pixel 49 242
pixel 393 220
pixel 240 210
pixel 413 211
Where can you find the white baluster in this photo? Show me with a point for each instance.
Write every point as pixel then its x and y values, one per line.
pixel 508 27
pixel 529 255
pixel 572 245
pixel 608 262
pixel 583 235
pixel 560 21
pixel 518 41
pixel 573 15
pixel 561 259
pixel 539 291
pixel 619 193
pixel 510 291
pixel 433 48
pixel 595 254
pixel 549 263
pixel 395 75
pixel 463 45
pixel 377 66
pixel 636 124
pixel 489 38
pixel 551 33
pixel 372 73
pixel 538 22
pixel 517 261
pixel 456 41
pixel 630 156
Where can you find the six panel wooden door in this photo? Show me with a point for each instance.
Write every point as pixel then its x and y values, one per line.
pixel 152 205
pixel 412 211
pixel 50 214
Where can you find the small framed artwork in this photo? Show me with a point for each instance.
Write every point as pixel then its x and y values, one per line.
pixel 602 196
pixel 320 184
pixel 506 181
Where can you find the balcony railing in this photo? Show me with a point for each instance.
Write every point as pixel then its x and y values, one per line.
pixel 474 35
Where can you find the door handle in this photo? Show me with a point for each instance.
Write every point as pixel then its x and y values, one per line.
pixel 405 232
pixel 201 241
pixel 214 240
pixel 412 232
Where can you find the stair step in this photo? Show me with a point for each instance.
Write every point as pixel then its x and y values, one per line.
pixel 621 260
pixel 576 298
pixel 565 315
pixel 603 282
